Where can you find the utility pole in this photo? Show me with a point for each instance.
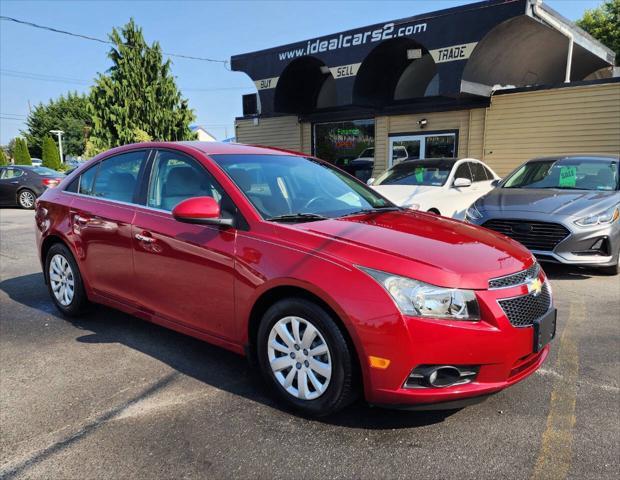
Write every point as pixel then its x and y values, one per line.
pixel 59 134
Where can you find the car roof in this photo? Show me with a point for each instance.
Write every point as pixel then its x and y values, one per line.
pixel 586 157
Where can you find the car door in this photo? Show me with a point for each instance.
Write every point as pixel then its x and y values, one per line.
pixel 184 272
pixel 102 215
pixel 10 181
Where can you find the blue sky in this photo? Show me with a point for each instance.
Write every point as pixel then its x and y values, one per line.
pixel 202 28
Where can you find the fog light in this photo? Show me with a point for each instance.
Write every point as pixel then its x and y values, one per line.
pixel 441 376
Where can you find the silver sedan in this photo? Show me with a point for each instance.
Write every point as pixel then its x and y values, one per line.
pixel 565 209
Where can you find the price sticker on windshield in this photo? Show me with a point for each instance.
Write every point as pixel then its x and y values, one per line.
pixel 419 175
pixel 568 176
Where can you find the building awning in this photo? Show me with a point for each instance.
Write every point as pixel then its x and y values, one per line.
pixel 456 53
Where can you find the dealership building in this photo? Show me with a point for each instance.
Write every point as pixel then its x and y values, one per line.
pixel 502 81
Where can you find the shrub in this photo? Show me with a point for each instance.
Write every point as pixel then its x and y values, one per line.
pixel 21 155
pixel 51 157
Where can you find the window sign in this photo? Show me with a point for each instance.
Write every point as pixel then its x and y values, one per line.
pixel 342 142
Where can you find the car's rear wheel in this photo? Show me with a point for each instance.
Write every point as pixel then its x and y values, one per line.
pixel 64 281
pixel 303 354
pixel 26 199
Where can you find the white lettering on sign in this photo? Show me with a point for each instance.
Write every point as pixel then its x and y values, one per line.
pixel 453 52
pixel 345 70
pixel 266 83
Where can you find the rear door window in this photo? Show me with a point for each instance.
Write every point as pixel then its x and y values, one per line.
pixel 478 172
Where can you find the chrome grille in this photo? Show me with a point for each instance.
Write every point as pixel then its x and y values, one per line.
pixel 515 279
pixel 534 235
pixel 522 311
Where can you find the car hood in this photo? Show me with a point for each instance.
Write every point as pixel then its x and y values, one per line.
pixel 405 194
pixel 549 201
pixel 430 248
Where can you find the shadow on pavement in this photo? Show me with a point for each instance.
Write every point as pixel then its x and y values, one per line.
pixel 189 356
pixel 570 272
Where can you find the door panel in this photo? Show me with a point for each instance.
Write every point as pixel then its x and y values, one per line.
pixel 184 272
pixel 103 230
pixel 9 183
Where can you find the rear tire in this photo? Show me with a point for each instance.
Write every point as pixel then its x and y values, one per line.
pixel 314 384
pixel 26 199
pixel 64 281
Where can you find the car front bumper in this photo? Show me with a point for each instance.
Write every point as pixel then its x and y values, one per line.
pixel 576 247
pixel 501 353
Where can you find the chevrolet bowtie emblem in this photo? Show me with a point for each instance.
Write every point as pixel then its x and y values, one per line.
pixel 534 287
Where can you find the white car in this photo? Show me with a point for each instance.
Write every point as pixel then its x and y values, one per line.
pixel 445 186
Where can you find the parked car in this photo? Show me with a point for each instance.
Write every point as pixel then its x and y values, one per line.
pixel 21 185
pixel 332 289
pixel 36 162
pixel 443 186
pixel 565 209
pixel 362 166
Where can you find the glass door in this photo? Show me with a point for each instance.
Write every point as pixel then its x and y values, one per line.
pixel 413 147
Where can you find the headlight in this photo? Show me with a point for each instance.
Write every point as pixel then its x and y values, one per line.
pixel 473 213
pixel 424 300
pixel 602 218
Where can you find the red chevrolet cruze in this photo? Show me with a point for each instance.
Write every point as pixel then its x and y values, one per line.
pixel 328 286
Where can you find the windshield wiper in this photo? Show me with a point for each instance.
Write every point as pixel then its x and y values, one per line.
pixel 297 217
pixel 387 208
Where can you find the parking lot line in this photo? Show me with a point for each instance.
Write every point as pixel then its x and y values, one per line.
pixel 555 454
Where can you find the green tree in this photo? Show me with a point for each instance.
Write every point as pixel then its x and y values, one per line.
pixel 3 158
pixel 51 156
pixel 137 97
pixel 67 113
pixel 21 156
pixel 603 23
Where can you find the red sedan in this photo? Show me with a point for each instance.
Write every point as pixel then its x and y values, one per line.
pixel 328 286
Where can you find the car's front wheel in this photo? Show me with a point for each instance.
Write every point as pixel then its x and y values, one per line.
pixel 64 281
pixel 26 199
pixel 303 354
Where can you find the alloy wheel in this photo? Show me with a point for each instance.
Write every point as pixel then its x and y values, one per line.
pixel 62 280
pixel 299 358
pixel 27 199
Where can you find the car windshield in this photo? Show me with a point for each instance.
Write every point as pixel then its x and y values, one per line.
pixel 303 189
pixel 568 174
pixel 368 153
pixel 433 173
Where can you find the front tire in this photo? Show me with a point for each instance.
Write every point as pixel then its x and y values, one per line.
pixel 304 356
pixel 26 199
pixel 64 281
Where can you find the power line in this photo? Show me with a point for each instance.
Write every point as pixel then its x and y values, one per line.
pixel 55 78
pixel 107 42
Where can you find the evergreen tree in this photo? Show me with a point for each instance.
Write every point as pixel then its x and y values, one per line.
pixel 51 156
pixel 21 154
pixel 3 158
pixel 137 97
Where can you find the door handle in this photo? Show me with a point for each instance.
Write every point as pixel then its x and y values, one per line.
pixel 15 182
pixel 144 238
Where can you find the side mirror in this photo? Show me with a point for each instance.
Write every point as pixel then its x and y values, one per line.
pixel 462 182
pixel 370 181
pixel 200 210
pixel 495 182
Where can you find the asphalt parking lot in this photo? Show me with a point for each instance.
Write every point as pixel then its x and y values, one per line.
pixel 111 396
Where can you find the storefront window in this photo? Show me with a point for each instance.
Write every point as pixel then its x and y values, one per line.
pixel 342 142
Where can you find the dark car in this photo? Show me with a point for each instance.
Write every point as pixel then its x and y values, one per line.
pixel 565 209
pixel 21 185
